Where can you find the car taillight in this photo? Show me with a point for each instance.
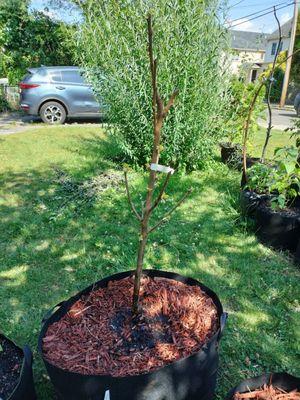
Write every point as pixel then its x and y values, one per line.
pixel 27 85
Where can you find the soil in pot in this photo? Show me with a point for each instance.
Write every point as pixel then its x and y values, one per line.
pixel 11 359
pixel 98 335
pixel 268 392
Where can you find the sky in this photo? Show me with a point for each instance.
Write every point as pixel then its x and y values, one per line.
pixel 238 11
pixel 267 23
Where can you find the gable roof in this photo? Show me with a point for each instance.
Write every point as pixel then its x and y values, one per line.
pixel 285 30
pixel 248 40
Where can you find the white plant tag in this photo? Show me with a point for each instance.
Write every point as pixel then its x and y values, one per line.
pixel 161 168
pixel 107 395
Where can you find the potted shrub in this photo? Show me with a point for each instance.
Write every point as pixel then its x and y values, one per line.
pixel 269 386
pixel 240 96
pixel 16 379
pixel 272 197
pixel 140 334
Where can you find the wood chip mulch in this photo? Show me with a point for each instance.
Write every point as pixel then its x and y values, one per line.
pixel 268 393
pixel 99 336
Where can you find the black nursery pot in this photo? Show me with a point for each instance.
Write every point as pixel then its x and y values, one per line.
pixel 281 380
pixel 24 389
pixel 278 229
pixel 190 378
pixel 230 153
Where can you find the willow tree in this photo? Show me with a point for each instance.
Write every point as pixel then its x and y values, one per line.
pixel 191 43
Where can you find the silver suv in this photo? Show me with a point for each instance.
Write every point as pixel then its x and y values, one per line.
pixel 55 93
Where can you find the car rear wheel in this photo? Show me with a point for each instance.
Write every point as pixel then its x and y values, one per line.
pixel 53 113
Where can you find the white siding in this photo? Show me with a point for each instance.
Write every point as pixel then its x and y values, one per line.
pixel 269 58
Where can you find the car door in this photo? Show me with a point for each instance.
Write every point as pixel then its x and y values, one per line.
pixel 78 94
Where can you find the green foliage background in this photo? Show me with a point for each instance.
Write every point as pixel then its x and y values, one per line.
pixel 189 42
pixel 240 96
pixel 31 39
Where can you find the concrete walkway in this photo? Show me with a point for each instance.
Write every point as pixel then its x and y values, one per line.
pixel 281 118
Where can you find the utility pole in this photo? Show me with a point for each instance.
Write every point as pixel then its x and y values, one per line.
pixel 289 60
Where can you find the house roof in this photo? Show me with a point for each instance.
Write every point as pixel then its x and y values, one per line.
pixel 248 40
pixel 285 30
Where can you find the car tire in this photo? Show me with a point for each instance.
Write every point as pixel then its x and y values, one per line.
pixel 53 113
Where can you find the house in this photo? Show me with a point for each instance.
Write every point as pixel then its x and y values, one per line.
pixel 272 41
pixel 248 53
pixel 252 52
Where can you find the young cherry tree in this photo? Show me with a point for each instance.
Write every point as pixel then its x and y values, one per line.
pixel 159 111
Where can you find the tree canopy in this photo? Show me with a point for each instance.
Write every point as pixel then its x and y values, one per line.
pixel 29 39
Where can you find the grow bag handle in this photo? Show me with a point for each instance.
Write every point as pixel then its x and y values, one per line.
pixel 50 311
pixel 223 320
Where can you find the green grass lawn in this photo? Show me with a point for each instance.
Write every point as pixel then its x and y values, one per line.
pixel 278 139
pixel 56 238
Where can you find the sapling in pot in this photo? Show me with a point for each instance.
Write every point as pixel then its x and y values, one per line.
pixel 139 334
pixel 240 96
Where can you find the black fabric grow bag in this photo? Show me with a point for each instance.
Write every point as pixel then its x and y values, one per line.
pixel 24 390
pixel 190 378
pixel 278 229
pixel 282 380
pixel 231 154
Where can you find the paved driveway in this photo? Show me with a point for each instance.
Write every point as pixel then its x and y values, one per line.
pixel 17 122
pixel 281 118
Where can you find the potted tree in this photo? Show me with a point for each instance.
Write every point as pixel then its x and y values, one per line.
pixel 272 197
pixel 240 96
pixel 142 334
pixel 16 379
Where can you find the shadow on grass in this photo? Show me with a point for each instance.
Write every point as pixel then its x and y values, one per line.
pixel 48 254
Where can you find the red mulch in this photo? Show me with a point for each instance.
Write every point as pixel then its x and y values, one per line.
pixel 99 336
pixel 268 393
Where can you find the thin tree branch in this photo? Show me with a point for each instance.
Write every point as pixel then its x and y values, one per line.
pixel 269 128
pixel 171 101
pixel 170 211
pixel 247 123
pixel 162 190
pixel 129 198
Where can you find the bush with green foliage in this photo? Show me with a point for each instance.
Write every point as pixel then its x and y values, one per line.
pixel 4 106
pixel 190 41
pixel 240 96
pixel 281 181
pixel 30 39
pixel 279 71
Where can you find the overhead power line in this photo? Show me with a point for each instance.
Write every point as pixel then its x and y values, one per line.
pixel 259 16
pixel 260 11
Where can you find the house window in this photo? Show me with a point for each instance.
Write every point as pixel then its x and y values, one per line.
pixel 280 47
pixel 273 51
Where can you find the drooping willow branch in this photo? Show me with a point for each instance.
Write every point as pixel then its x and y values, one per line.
pixel 159 111
pixel 248 119
pixel 271 81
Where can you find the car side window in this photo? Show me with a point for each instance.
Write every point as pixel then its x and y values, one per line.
pixel 56 76
pixel 72 77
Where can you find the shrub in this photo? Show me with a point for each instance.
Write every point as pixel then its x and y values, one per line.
pixel 4 106
pixel 190 40
pixel 240 96
pixel 281 181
